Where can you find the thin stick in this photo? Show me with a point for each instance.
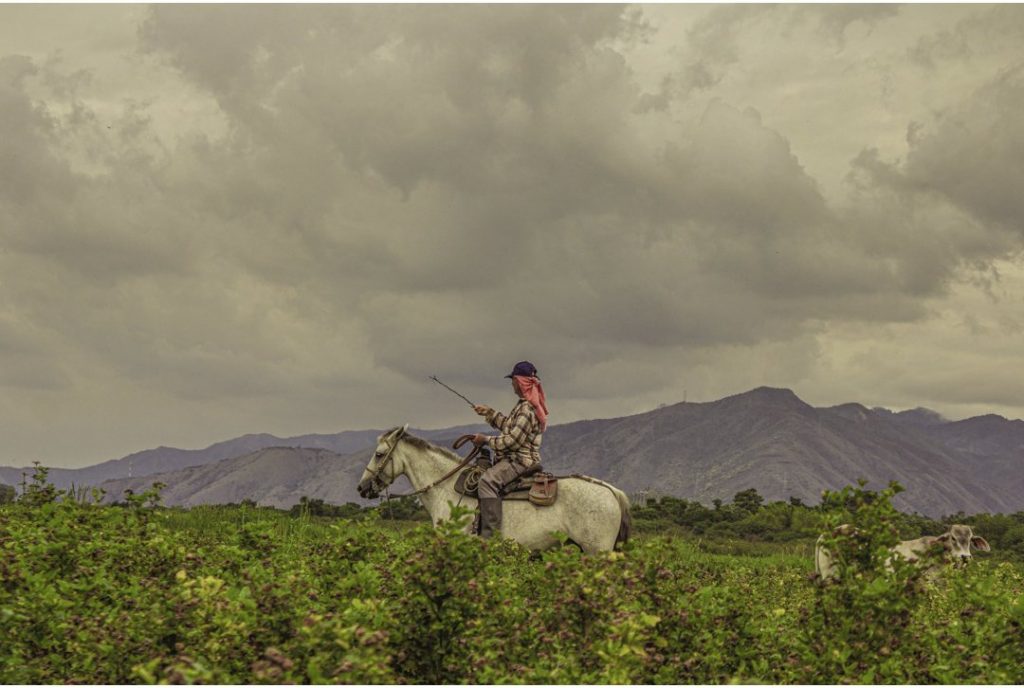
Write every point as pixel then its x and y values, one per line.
pixel 434 378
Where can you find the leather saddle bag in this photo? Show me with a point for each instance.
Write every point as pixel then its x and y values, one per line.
pixel 544 489
pixel 540 488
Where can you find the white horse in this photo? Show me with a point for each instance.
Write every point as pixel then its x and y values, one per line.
pixel 592 513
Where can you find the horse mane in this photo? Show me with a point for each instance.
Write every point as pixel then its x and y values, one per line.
pixel 423 444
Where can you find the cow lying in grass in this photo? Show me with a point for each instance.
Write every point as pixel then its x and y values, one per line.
pixel 956 546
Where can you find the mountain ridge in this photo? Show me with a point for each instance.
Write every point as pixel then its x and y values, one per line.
pixel 766 438
pixel 168 459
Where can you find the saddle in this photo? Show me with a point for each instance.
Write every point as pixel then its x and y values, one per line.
pixel 534 485
pixel 540 488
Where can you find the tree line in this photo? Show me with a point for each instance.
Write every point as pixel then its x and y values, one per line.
pixel 747 517
pixel 750 517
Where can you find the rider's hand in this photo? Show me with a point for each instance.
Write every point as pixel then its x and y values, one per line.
pixel 482 410
pixel 479 439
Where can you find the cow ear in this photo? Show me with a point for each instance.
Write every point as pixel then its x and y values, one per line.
pixel 980 544
pixel 943 538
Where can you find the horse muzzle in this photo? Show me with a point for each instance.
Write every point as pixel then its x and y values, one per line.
pixel 368 490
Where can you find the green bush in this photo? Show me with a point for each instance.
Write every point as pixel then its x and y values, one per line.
pixel 100 594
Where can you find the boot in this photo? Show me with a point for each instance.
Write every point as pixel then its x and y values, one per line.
pixel 490 516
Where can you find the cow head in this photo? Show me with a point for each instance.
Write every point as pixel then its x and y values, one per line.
pixel 957 542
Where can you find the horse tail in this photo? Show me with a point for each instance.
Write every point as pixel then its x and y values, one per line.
pixel 626 522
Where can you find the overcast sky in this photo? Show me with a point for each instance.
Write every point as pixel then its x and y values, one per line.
pixel 217 220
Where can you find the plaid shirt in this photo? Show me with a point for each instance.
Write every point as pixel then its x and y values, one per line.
pixel 520 435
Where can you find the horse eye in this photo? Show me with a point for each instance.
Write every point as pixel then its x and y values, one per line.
pixel 379 455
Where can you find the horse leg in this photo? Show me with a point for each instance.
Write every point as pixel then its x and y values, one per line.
pixel 594 535
pixel 590 538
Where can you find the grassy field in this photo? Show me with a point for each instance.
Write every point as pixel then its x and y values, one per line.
pixel 101 594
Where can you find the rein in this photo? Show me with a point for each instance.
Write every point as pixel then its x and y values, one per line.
pixel 465 462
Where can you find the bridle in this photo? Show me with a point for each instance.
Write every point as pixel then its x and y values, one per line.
pixel 381 487
pixel 375 481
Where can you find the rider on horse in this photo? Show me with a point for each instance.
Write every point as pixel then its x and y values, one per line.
pixel 517 448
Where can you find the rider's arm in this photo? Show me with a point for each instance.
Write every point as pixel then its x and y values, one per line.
pixel 517 431
pixel 496 419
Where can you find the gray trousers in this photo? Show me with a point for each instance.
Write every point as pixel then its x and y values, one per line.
pixel 496 477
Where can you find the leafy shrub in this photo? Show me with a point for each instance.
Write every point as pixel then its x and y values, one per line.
pixel 98 594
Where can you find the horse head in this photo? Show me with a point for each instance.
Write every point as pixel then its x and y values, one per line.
pixel 382 471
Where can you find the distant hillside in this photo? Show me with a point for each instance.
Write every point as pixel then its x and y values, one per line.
pixel 989 435
pixel 766 438
pixel 274 476
pixel 993 449
pixel 918 417
pixel 169 459
pixel 771 440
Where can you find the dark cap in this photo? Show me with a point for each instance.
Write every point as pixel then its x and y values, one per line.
pixel 524 368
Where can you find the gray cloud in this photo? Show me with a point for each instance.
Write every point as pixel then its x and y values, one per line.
pixel 973 158
pixel 993 31
pixel 311 208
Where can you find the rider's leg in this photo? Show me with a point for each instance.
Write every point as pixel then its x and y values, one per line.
pixel 489 491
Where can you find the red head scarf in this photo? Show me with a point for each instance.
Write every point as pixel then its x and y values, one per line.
pixel 534 393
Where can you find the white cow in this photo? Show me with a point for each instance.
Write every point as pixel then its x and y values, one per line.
pixel 956 544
